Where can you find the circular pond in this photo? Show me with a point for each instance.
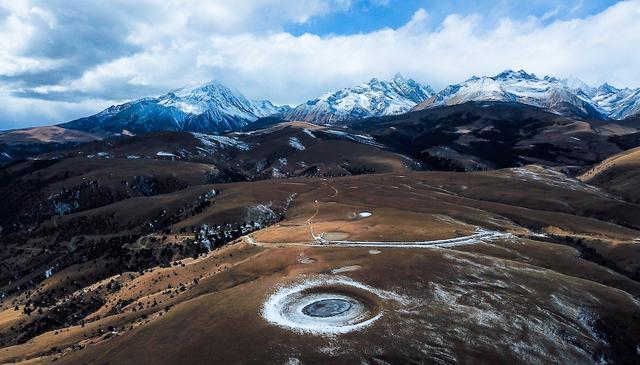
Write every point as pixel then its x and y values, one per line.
pixel 323 307
pixel 327 307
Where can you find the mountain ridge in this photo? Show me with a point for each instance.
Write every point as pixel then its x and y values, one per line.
pixel 548 93
pixel 370 99
pixel 214 108
pixel 210 107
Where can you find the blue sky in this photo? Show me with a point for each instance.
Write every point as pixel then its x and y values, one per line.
pixel 64 59
pixel 367 16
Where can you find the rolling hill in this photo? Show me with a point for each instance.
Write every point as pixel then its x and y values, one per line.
pixel 618 175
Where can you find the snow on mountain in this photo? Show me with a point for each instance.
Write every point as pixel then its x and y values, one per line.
pixel 518 86
pixel 618 103
pixel 371 99
pixel 211 107
pixel 266 108
pixel 211 142
pixel 629 106
pixel 607 96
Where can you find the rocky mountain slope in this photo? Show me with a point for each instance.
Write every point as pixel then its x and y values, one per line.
pixel 571 98
pixel 211 107
pixel 617 103
pixel 490 134
pixel 372 99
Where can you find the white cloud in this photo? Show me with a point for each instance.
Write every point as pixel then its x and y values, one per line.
pixel 179 43
pixel 290 69
pixel 20 112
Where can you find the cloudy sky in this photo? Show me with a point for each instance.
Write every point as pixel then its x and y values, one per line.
pixel 62 59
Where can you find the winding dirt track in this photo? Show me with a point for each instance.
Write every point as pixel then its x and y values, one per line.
pixel 481 235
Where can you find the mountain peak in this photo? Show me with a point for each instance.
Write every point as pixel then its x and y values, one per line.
pixel 607 88
pixel 371 99
pixel 551 94
pixel 510 74
pixel 208 107
pixel 399 78
pixel 574 83
pixel 211 88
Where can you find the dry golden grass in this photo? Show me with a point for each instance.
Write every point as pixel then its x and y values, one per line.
pixel 485 302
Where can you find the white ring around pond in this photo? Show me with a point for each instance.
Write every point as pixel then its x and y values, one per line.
pixel 309 308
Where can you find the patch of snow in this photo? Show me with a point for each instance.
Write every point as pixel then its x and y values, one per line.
pixel 295 143
pixel 99 154
pixel 360 138
pixel 345 269
pixel 305 260
pixel 62 208
pixel 539 234
pixel 48 273
pixel 212 142
pixel 554 178
pixel 165 154
pixel 276 173
pixel 261 213
pixel 309 133
pixel 584 317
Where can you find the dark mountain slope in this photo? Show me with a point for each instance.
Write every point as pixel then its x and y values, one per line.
pixel 489 135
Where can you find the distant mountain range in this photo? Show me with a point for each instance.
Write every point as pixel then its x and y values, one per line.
pixel 571 98
pixel 213 107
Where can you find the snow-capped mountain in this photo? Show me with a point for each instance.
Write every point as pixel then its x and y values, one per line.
pixel 211 107
pixel 371 99
pixel 617 103
pixel 548 93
